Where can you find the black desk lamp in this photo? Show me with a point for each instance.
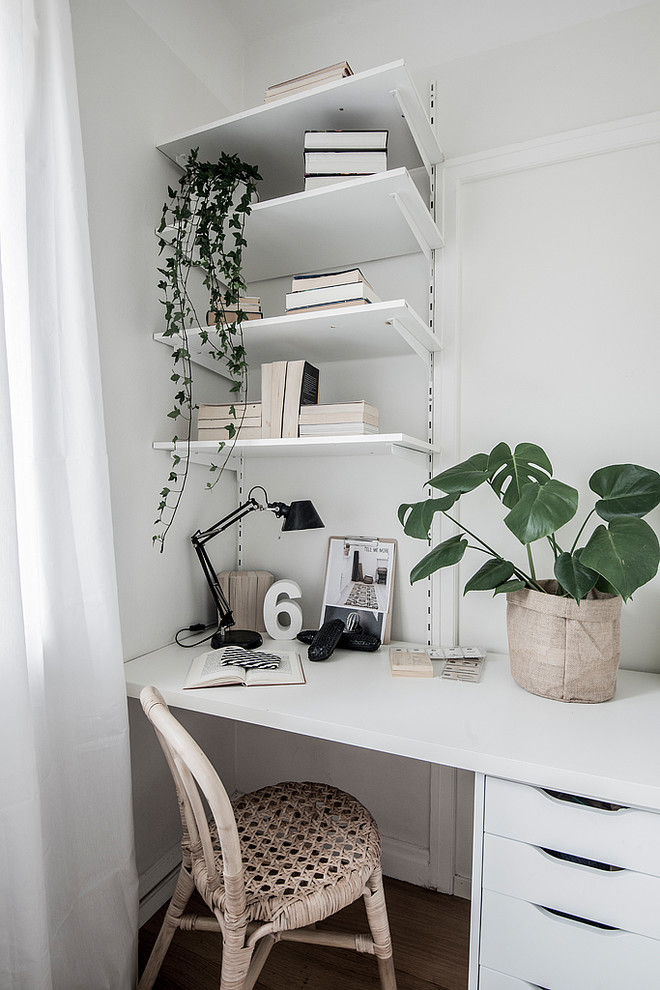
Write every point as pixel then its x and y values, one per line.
pixel 298 515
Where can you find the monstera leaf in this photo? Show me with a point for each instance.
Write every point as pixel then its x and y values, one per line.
pixel 626 553
pixel 463 477
pixel 573 576
pixel 509 471
pixel 446 554
pixel 625 490
pixel 416 517
pixel 490 575
pixel 542 510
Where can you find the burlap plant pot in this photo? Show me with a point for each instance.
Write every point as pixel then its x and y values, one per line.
pixel 561 650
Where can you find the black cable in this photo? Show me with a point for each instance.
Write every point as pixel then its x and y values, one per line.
pixel 197 627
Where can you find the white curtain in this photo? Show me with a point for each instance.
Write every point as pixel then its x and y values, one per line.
pixel 68 887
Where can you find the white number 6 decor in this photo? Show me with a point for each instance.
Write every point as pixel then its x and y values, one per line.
pixel 274 607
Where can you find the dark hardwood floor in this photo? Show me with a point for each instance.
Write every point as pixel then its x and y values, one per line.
pixel 429 933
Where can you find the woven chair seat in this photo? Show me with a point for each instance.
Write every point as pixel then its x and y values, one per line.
pixel 308 850
pixel 269 866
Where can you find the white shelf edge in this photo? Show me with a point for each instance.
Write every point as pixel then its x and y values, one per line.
pixel 206 451
pixel 395 316
pixel 419 124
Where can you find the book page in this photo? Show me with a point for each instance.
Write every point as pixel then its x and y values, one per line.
pixel 208 670
pixel 212 670
pixel 289 671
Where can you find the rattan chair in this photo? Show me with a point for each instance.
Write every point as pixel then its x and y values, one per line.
pixel 269 867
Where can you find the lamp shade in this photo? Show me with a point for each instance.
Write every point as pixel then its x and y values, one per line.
pixel 301 515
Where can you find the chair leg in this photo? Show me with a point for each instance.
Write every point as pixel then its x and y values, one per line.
pixel 374 901
pixel 235 965
pixel 184 888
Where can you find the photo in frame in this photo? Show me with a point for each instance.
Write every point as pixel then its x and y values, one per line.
pixel 359 584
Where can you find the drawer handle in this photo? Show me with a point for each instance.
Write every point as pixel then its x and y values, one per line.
pixel 585 802
pixel 575 917
pixel 581 861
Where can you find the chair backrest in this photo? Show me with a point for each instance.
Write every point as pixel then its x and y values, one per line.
pixel 194 776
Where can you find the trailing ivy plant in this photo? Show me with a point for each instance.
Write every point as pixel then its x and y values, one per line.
pixel 203 227
pixel 620 554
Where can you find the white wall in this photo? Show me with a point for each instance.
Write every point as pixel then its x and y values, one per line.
pixel 557 312
pixel 147 71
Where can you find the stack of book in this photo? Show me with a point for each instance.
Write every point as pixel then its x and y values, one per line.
pixel 250 306
pixel 339 156
pixel 286 387
pixel 329 291
pixel 338 419
pixel 331 73
pixel 214 422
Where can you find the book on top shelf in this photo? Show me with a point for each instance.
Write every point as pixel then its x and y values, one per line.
pixel 232 665
pixel 320 181
pixel 351 140
pixel 317 280
pixel 329 305
pixel 326 294
pixel 344 162
pixel 308 80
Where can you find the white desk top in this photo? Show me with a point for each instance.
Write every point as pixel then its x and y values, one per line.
pixel 610 750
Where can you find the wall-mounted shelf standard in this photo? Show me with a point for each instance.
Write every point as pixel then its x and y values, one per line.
pixel 368 218
pixel 271 136
pixel 397 444
pixel 384 329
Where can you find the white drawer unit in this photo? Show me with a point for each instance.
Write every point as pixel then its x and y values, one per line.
pixel 569 894
pixel 489 979
pixel 624 837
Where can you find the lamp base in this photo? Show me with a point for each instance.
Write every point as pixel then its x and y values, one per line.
pixel 247 638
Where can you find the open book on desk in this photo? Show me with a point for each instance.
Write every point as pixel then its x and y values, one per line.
pixel 223 667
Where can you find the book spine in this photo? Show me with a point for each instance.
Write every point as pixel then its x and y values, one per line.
pixel 273 379
pixel 354 140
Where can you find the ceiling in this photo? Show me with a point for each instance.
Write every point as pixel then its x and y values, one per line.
pixel 465 26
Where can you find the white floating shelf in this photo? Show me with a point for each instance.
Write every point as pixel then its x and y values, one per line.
pixel 384 329
pixel 206 451
pixel 271 135
pixel 345 224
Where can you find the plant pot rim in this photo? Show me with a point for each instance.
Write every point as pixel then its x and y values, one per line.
pixel 597 603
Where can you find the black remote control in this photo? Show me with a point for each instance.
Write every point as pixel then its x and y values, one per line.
pixel 326 639
pixel 366 642
pixel 359 641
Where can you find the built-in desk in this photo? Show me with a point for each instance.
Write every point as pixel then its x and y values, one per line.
pixel 609 751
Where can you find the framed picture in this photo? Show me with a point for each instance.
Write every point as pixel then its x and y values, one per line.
pixel 359 583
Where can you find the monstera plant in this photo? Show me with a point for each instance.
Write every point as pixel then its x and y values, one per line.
pixel 617 556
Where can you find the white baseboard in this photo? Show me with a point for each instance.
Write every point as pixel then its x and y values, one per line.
pixel 156 885
pixel 404 861
pixel 462 887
